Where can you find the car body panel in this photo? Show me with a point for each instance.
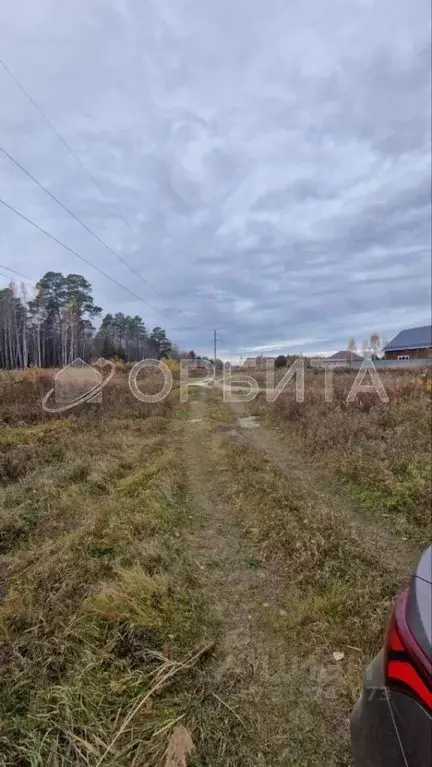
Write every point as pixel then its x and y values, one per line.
pixel 419 614
pixel 373 733
pixel 414 727
pixel 419 604
pixel 389 725
pixel 424 567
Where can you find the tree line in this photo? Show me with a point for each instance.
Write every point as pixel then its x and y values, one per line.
pixel 55 326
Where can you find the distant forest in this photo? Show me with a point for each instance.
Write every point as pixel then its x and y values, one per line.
pixel 56 326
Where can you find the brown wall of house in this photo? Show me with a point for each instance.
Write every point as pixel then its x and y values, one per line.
pixel 414 354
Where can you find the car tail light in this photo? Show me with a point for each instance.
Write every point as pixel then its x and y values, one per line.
pixel 406 666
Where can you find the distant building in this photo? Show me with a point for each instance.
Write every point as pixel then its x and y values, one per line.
pixel 257 362
pixel 414 343
pixel 342 359
pixel 317 362
pixel 262 361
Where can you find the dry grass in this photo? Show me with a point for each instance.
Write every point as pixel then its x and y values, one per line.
pixel 381 451
pixel 331 593
pixel 104 619
pixel 99 615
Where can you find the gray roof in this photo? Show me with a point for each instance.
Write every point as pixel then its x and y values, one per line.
pixel 414 338
pixel 348 355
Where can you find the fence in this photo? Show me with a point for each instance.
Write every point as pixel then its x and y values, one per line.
pixel 398 364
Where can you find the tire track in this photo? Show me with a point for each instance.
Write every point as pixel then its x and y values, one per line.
pixel 248 673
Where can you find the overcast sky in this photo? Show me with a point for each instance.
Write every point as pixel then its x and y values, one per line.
pixel 265 166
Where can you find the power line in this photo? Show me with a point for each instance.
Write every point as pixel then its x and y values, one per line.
pixel 7 276
pixel 78 255
pixel 83 168
pixel 197 327
pixel 25 277
pixel 11 279
pixel 59 136
pixel 75 217
pixel 216 339
pixel 2 266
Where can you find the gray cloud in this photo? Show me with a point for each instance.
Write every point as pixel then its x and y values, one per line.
pixel 266 168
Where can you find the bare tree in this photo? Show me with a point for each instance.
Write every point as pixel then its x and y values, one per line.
pixel 365 350
pixel 375 342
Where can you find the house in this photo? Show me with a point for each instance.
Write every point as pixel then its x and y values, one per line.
pixel 263 361
pixel 342 359
pixel 257 362
pixel 316 362
pixel 414 343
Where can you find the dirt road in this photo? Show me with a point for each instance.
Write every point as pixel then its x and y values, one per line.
pixel 293 577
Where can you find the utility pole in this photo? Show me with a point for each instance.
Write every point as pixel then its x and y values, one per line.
pixel 214 347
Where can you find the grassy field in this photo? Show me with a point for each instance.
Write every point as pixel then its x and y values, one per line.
pixel 97 605
pixel 167 576
pixel 380 451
